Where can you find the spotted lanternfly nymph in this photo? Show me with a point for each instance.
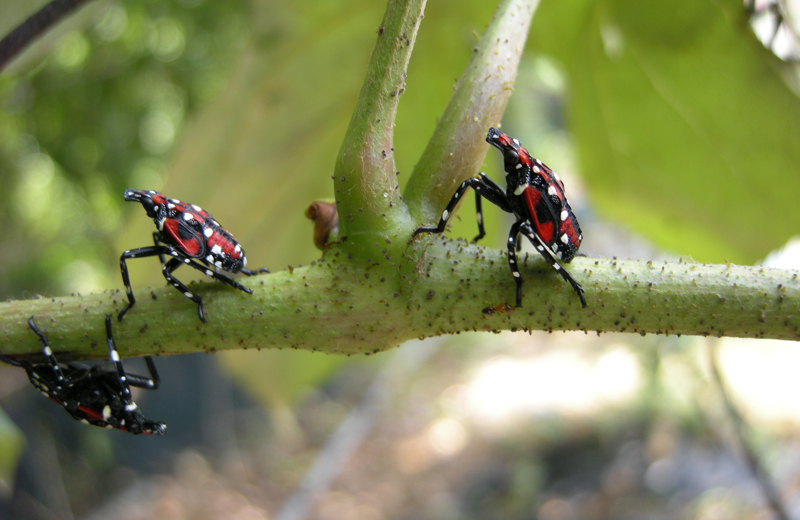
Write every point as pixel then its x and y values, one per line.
pixel 186 233
pixel 100 395
pixel 535 195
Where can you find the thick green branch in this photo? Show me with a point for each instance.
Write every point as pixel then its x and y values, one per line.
pixel 339 306
pixel 365 182
pixel 458 146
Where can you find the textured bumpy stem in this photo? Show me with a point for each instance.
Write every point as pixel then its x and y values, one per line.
pixel 335 306
pixel 365 183
pixel 458 146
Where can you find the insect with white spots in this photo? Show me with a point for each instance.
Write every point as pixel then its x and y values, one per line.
pixel 186 233
pixel 535 195
pixel 98 395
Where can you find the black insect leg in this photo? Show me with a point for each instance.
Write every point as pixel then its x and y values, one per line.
pixel 167 270
pixel 213 274
pixel 512 260
pixel 142 252
pixel 483 186
pixel 58 375
pixel 543 250
pixel 125 389
pixel 132 419
pixel 494 193
pixel 479 217
pixel 248 272
pixel 179 260
pixel 151 383
pixel 159 243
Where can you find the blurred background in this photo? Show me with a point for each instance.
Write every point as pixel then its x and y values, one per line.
pixel 674 128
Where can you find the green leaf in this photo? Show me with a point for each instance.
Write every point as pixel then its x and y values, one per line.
pixel 683 122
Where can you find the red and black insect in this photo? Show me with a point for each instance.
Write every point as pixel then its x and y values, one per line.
pixel 186 233
pixel 535 195
pixel 100 395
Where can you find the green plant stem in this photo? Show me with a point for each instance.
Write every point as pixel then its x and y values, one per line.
pixel 338 307
pixel 458 145
pixel 365 180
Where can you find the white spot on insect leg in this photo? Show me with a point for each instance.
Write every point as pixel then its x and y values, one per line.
pixel 48 352
pixel 480 218
pixel 445 215
pixel 114 356
pixel 209 272
pixel 515 273
pixel 539 248
pixel 556 266
pixel 187 294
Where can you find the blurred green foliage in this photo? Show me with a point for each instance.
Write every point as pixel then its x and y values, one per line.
pixel 99 112
pixel 685 125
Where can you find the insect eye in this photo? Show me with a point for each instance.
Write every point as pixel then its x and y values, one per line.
pixel 512 155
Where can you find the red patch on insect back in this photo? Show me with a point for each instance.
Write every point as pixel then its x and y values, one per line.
pixel 544 230
pixel 227 246
pixel 525 158
pixel 568 227
pixel 190 246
